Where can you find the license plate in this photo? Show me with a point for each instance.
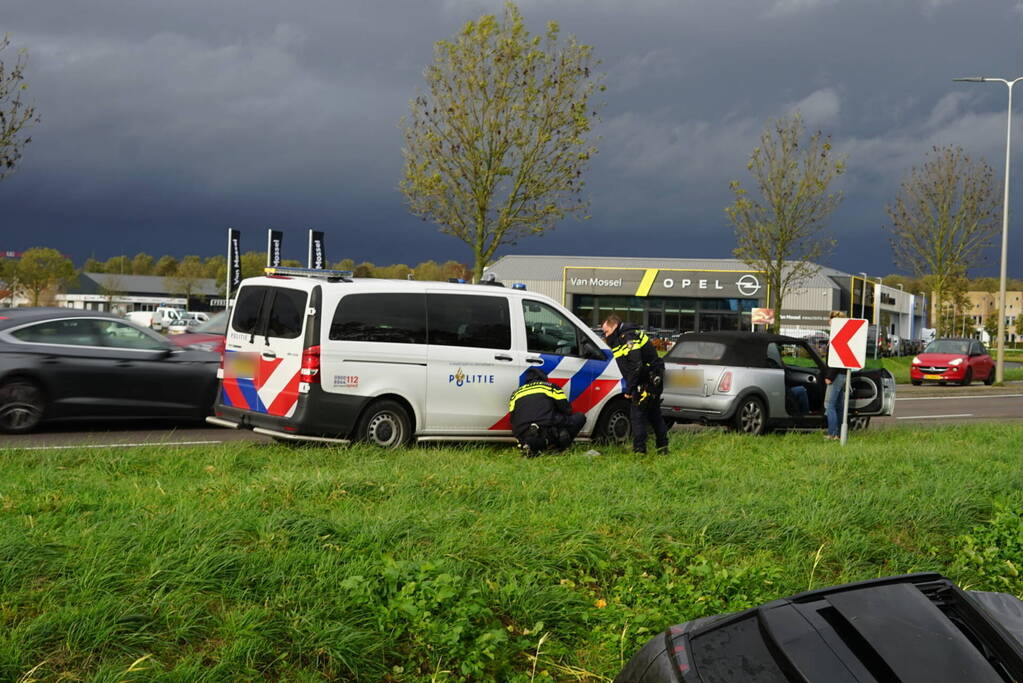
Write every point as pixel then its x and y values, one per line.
pixel 932 376
pixel 240 365
pixel 685 379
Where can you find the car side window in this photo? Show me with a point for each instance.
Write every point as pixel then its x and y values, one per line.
pixel 68 332
pixel 548 331
pixel 121 336
pixel 393 318
pixel 774 356
pixel 468 320
pixel 796 356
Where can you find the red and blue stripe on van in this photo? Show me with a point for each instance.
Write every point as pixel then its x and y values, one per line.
pixel 272 389
pixel 585 389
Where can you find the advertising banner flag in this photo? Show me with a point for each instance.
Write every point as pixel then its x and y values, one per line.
pixel 274 242
pixel 234 262
pixel 317 250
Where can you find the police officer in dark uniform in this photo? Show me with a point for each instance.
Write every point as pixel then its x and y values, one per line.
pixel 643 371
pixel 541 416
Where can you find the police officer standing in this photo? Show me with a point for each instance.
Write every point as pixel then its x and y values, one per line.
pixel 541 416
pixel 643 371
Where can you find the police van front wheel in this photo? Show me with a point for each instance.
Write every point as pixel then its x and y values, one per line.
pixel 614 424
pixel 386 424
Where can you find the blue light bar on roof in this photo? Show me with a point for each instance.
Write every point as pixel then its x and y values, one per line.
pixel 308 272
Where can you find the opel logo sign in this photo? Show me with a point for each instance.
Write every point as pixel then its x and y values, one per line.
pixel 748 285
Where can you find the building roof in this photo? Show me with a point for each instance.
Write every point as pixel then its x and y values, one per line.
pixel 525 267
pixel 155 285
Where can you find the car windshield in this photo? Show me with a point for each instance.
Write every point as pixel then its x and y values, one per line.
pixel 948 346
pixel 217 324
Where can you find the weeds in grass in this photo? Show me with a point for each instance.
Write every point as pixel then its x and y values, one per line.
pixel 248 562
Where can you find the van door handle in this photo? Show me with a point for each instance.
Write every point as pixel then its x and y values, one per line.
pixel 535 361
pixel 501 356
pixel 268 355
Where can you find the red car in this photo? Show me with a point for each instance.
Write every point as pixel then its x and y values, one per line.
pixel 209 336
pixel 953 360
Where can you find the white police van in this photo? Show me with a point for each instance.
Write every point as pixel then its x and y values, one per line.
pixel 315 355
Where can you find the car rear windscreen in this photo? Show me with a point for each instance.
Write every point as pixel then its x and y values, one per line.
pixel 271 311
pixel 697 350
pixel 287 313
pixel 248 309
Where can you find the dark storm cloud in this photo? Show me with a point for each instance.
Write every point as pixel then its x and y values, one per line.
pixel 165 123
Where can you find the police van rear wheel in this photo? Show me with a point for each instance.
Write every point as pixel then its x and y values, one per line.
pixel 614 424
pixel 385 424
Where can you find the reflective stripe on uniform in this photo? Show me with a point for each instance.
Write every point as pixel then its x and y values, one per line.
pixel 536 388
pixel 629 346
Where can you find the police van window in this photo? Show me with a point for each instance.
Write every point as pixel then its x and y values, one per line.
pixel 248 309
pixel 468 320
pixel 394 318
pixel 287 313
pixel 73 332
pixel 548 331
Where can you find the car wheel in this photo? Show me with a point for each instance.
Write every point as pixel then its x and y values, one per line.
pixel 22 406
pixel 990 379
pixel 750 418
pixel 967 378
pixel 858 423
pixel 915 382
pixel 386 424
pixel 614 424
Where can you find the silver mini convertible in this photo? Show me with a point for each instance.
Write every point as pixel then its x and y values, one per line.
pixel 747 380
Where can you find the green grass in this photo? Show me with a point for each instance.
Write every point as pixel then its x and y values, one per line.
pixel 251 562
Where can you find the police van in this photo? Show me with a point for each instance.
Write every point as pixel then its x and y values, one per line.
pixel 319 356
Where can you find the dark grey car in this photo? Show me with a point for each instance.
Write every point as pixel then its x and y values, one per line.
pixel 61 364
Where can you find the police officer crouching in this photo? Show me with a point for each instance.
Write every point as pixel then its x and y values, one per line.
pixel 541 416
pixel 643 371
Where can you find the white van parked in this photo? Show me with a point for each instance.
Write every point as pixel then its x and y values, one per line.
pixel 314 355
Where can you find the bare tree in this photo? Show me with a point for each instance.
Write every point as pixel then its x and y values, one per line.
pixel 782 233
pixel 496 149
pixel 945 215
pixel 16 116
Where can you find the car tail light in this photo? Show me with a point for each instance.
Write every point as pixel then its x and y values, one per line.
pixel 310 372
pixel 220 370
pixel 725 383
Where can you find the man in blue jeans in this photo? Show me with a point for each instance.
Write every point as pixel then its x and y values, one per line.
pixel 834 379
pixel 833 399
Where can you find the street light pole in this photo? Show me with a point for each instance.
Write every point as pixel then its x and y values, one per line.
pixel 877 314
pixel 863 299
pixel 1000 362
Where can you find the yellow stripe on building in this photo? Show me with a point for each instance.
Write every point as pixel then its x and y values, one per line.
pixel 648 281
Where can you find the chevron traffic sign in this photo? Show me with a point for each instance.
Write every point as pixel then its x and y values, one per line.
pixel 848 344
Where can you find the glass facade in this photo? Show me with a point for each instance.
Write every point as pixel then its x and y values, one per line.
pixel 666 313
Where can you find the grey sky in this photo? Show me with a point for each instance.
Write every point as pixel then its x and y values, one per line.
pixel 165 123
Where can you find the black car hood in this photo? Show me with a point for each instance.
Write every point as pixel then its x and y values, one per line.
pixel 919 627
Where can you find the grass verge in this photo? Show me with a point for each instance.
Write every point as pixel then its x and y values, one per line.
pixel 249 562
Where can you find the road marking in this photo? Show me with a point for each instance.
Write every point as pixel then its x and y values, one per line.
pixel 955 398
pixel 932 417
pixel 114 445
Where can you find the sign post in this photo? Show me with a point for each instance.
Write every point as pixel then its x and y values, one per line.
pixel 847 349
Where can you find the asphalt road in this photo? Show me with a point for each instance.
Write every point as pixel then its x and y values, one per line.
pixel 926 405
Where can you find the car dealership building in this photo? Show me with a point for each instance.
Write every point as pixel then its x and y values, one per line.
pixel 684 294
